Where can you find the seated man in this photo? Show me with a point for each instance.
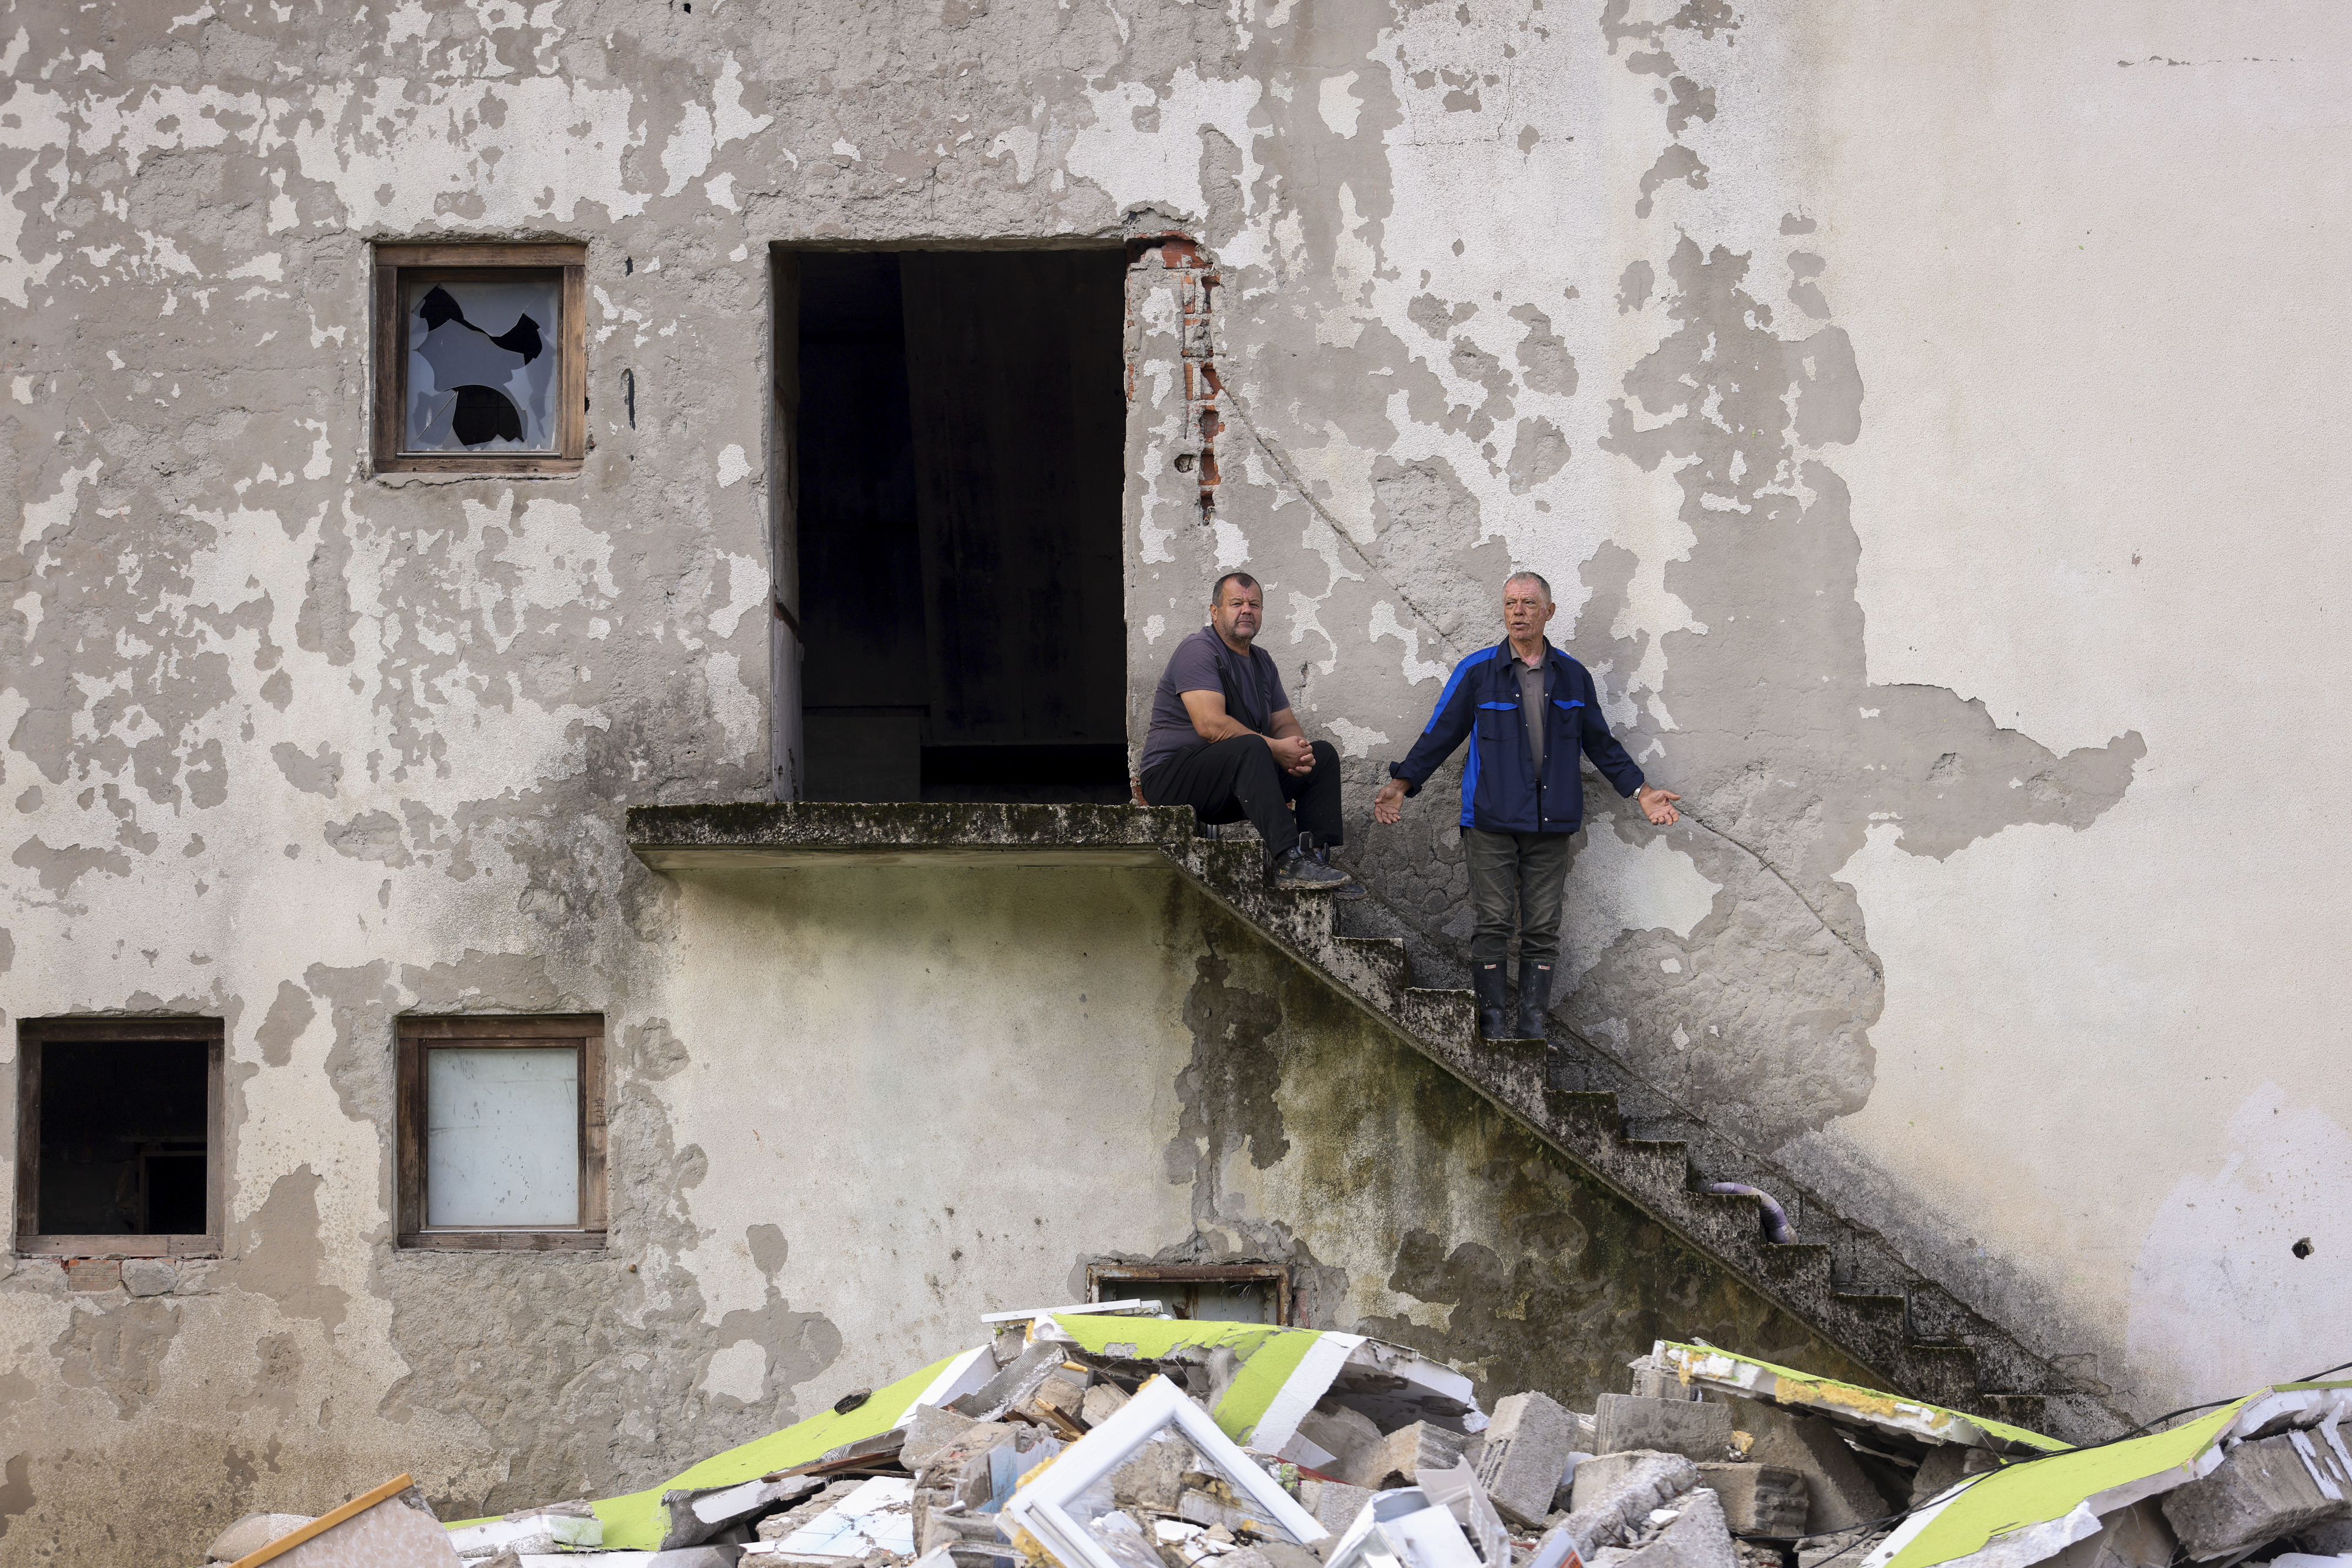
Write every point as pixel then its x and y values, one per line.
pixel 1224 742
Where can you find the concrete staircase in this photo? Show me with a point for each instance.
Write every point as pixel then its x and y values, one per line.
pixel 1841 1280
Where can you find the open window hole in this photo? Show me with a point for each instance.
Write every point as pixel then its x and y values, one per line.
pixel 2304 1248
pixel 125 1136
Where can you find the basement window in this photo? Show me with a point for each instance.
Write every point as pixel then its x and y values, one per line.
pixel 1217 1292
pixel 480 366
pixel 951 429
pixel 118 1130
pixel 501 1132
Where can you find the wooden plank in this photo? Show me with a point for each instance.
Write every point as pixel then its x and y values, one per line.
pixel 502 1241
pixel 325 1522
pixel 591 1131
pixel 29 1044
pixel 771 857
pixel 384 374
pixel 408 1132
pixel 544 253
pixel 571 379
pixel 491 1028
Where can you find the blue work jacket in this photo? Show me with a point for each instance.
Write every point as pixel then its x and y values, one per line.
pixel 1500 792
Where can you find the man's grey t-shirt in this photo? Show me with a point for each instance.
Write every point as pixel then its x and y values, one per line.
pixel 1202 662
pixel 1531 705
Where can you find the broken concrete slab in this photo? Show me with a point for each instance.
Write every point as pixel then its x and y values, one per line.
pixel 1945 1467
pixel 1801 1393
pixel 1527 1442
pixel 1101 1402
pixel 1693 1428
pixel 1012 1384
pixel 2135 1537
pixel 2260 1491
pixel 1397 1458
pixel 391 1524
pixel 1758 1499
pixel 1338 1431
pixel 937 1528
pixel 930 1429
pixel 1695 1537
pixel 697 1514
pixel 253 1532
pixel 1615 1492
pixel 1334 1504
pixel 1154 1477
pixel 1839 1494
pixel 776 1526
pixel 696 1557
pixel 1057 1400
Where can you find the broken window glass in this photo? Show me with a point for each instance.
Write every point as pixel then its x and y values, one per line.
pixel 482 355
pixel 502 1136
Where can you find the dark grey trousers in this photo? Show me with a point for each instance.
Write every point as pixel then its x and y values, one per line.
pixel 1521 873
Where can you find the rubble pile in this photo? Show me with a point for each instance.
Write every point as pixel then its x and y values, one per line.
pixel 1078 1440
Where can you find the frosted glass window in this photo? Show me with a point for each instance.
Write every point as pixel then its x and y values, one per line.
pixel 481 363
pixel 502 1136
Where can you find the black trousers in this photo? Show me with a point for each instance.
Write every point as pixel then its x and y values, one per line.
pixel 1526 873
pixel 1226 780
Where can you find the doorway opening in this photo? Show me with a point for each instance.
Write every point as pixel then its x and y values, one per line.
pixel 954 424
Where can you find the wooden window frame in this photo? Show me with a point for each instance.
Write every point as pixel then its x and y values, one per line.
pixel 1115 1281
pixel 32 1035
pixel 414 1037
pixel 570 340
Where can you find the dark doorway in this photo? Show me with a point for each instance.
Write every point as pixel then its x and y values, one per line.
pixel 957 421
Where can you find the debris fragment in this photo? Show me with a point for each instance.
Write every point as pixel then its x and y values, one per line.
pixel 1526 1453
pixel 253 1532
pixel 1100 1441
pixel 1693 1428
pixel 2265 1489
pixel 392 1524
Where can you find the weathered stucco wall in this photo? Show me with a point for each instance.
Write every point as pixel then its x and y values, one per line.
pixel 1925 431
pixel 829 1154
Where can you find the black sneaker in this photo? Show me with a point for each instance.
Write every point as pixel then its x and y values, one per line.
pixel 1351 889
pixel 1296 871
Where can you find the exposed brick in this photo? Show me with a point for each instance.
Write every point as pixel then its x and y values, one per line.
pixel 93 1273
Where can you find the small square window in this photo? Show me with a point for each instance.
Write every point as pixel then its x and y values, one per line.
pixel 1218 1292
pixel 501 1134
pixel 479 359
pixel 118 1133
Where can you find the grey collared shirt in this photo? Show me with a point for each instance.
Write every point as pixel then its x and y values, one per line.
pixel 1531 705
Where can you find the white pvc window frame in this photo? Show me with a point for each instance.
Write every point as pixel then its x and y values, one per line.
pixel 1041 1507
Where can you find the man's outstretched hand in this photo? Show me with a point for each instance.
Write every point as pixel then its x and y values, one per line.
pixel 1388 806
pixel 1658 805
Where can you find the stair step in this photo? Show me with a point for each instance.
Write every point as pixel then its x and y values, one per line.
pixel 1583 1113
pixel 1943 1373
pixel 1862 1296
pixel 2026 1410
pixel 1444 1018
pixel 1386 967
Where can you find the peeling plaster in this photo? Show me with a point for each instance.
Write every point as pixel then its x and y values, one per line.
pixel 1500 287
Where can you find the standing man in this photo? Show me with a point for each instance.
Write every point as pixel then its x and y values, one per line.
pixel 1533 708
pixel 1224 742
